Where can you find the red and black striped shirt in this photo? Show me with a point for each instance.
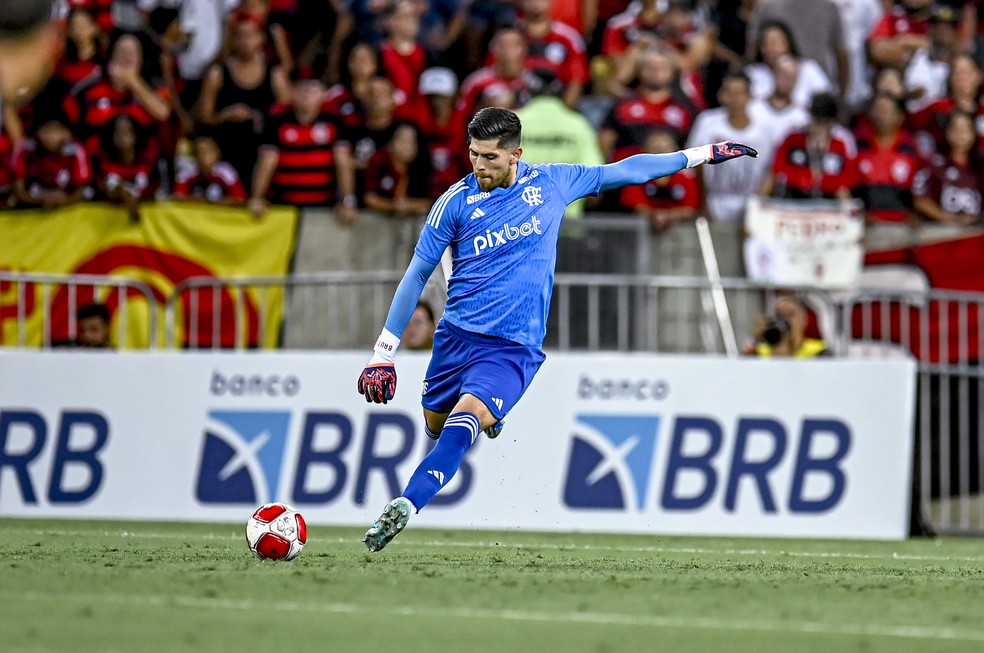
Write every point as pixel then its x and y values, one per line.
pixel 305 174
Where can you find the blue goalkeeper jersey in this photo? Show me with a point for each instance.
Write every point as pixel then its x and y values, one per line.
pixel 504 247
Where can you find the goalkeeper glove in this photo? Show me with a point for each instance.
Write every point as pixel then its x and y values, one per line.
pixel 717 153
pixel 377 383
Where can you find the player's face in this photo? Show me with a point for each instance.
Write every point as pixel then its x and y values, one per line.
pixel 494 166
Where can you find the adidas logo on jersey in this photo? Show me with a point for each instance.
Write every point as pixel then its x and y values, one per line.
pixel 494 238
pixel 477 213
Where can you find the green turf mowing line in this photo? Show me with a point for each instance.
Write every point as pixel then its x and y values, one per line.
pixel 111 586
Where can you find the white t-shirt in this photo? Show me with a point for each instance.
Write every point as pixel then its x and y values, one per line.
pixel 859 17
pixel 205 22
pixel 729 185
pixel 810 80
pixel 783 123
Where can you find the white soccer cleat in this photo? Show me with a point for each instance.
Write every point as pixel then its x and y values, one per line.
pixel 394 519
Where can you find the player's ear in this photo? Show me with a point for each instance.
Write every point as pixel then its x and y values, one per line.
pixel 514 157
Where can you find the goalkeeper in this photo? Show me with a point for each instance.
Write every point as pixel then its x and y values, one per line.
pixel 502 224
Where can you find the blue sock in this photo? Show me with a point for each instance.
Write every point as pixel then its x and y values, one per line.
pixel 440 465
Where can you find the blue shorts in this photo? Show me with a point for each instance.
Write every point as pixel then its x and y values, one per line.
pixel 495 370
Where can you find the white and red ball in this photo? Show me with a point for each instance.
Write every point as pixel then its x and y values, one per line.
pixel 276 532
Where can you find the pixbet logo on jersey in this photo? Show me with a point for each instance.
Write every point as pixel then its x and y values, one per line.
pixel 499 237
pixel 613 464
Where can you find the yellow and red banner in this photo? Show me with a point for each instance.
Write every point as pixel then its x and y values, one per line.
pixel 172 242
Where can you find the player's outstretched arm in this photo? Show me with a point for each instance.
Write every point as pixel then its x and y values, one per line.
pixel 377 383
pixel 640 168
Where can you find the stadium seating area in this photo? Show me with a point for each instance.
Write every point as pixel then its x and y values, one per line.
pixel 362 103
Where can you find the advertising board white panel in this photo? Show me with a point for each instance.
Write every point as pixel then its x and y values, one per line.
pixel 623 443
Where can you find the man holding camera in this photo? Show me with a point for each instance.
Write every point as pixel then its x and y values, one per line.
pixel 783 333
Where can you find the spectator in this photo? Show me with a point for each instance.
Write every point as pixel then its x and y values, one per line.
pixel 237 96
pixel 306 156
pixel 725 191
pixel 929 68
pixel 900 33
pixel 948 189
pixel 775 42
pixel 209 178
pixel 402 57
pixel 887 162
pixel 419 334
pixel 443 128
pixel 815 27
pixel 346 99
pixel 442 24
pixel 651 23
pixel 396 177
pixel 778 110
pixel 504 76
pixel 657 102
pixel 100 10
pixel 51 170
pixel 554 45
pixel 120 90
pixel 191 44
pixel 552 131
pixel 93 326
pixel 667 200
pixel 277 48
pixel 6 174
pixel 858 18
pixel 964 95
pixel 124 165
pixel 816 162
pixel 85 48
pixel 782 334
pixel 484 16
pixel 380 122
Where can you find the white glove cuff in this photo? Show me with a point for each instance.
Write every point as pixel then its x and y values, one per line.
pixel 697 155
pixel 385 348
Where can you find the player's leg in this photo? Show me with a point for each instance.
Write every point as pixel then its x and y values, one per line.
pixel 442 385
pixel 490 386
pixel 434 423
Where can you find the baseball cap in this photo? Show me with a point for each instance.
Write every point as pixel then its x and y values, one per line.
pixel 438 81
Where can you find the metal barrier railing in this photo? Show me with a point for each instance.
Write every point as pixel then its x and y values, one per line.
pixel 308 322
pixel 59 296
pixel 944 330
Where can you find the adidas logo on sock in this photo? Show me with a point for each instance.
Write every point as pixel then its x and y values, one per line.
pixel 437 474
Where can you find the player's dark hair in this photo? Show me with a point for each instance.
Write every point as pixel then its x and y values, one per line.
pixel 22 17
pixel 94 309
pixel 496 123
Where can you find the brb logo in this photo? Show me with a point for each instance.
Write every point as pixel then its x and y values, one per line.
pixel 252 456
pixel 494 238
pixel 613 464
pixel 242 456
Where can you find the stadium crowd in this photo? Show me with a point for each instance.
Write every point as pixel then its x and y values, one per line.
pixel 363 103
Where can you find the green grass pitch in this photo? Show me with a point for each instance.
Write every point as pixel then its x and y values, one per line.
pixel 82 586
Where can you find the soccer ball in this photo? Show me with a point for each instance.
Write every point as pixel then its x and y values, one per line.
pixel 276 532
